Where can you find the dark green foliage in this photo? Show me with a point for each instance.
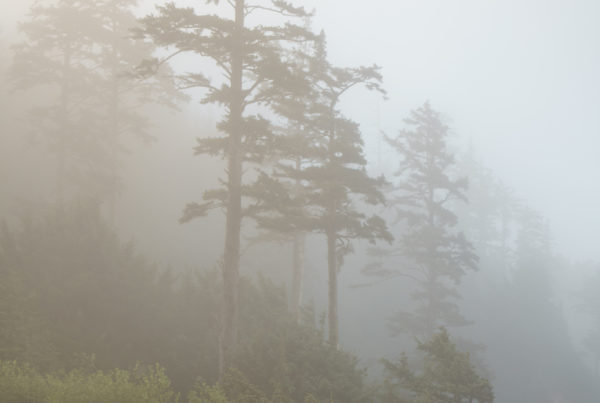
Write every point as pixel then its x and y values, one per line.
pixel 89 293
pixel 90 296
pixel 293 358
pixel 447 376
pixel 24 331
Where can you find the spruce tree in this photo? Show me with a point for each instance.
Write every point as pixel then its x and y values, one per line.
pixel 321 184
pixel 436 254
pixel 252 60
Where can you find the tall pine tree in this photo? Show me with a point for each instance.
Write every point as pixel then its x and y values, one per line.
pixel 321 184
pixel 253 61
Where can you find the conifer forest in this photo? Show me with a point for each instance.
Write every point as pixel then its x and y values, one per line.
pixel 278 201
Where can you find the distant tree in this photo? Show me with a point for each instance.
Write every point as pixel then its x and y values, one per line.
pixel 5 106
pixel 528 306
pixel 446 376
pixel 57 55
pixel 435 253
pixel 592 344
pixel 589 303
pixel 486 219
pixel 80 59
pixel 516 291
pixel 253 61
pixel 124 92
pixel 316 185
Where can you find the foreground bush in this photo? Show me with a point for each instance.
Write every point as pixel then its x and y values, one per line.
pixel 446 375
pixel 22 383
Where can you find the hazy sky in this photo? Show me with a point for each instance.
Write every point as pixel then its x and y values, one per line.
pixel 518 77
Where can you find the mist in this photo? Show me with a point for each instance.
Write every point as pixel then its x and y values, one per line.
pixel 313 201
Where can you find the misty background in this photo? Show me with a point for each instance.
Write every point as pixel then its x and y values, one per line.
pixel 516 81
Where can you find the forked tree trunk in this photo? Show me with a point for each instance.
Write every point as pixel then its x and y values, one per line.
pixel 231 260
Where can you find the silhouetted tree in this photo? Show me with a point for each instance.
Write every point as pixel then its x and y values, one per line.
pixel 315 185
pixel 436 255
pixel 279 197
pixel 527 305
pixel 252 59
pixel 590 304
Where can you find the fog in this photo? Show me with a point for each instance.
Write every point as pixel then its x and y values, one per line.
pixel 517 78
pixel 302 276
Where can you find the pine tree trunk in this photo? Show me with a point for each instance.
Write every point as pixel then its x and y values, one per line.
pixel 333 291
pixel 114 133
pixel 114 157
pixel 331 239
pixel 64 127
pixel 429 316
pixel 297 275
pixel 231 261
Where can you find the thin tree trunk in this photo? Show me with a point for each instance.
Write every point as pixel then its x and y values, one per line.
pixel 429 317
pixel 333 290
pixel 114 129
pixel 64 127
pixel 331 250
pixel 231 261
pixel 114 150
pixel 431 269
pixel 297 275
pixel 298 260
